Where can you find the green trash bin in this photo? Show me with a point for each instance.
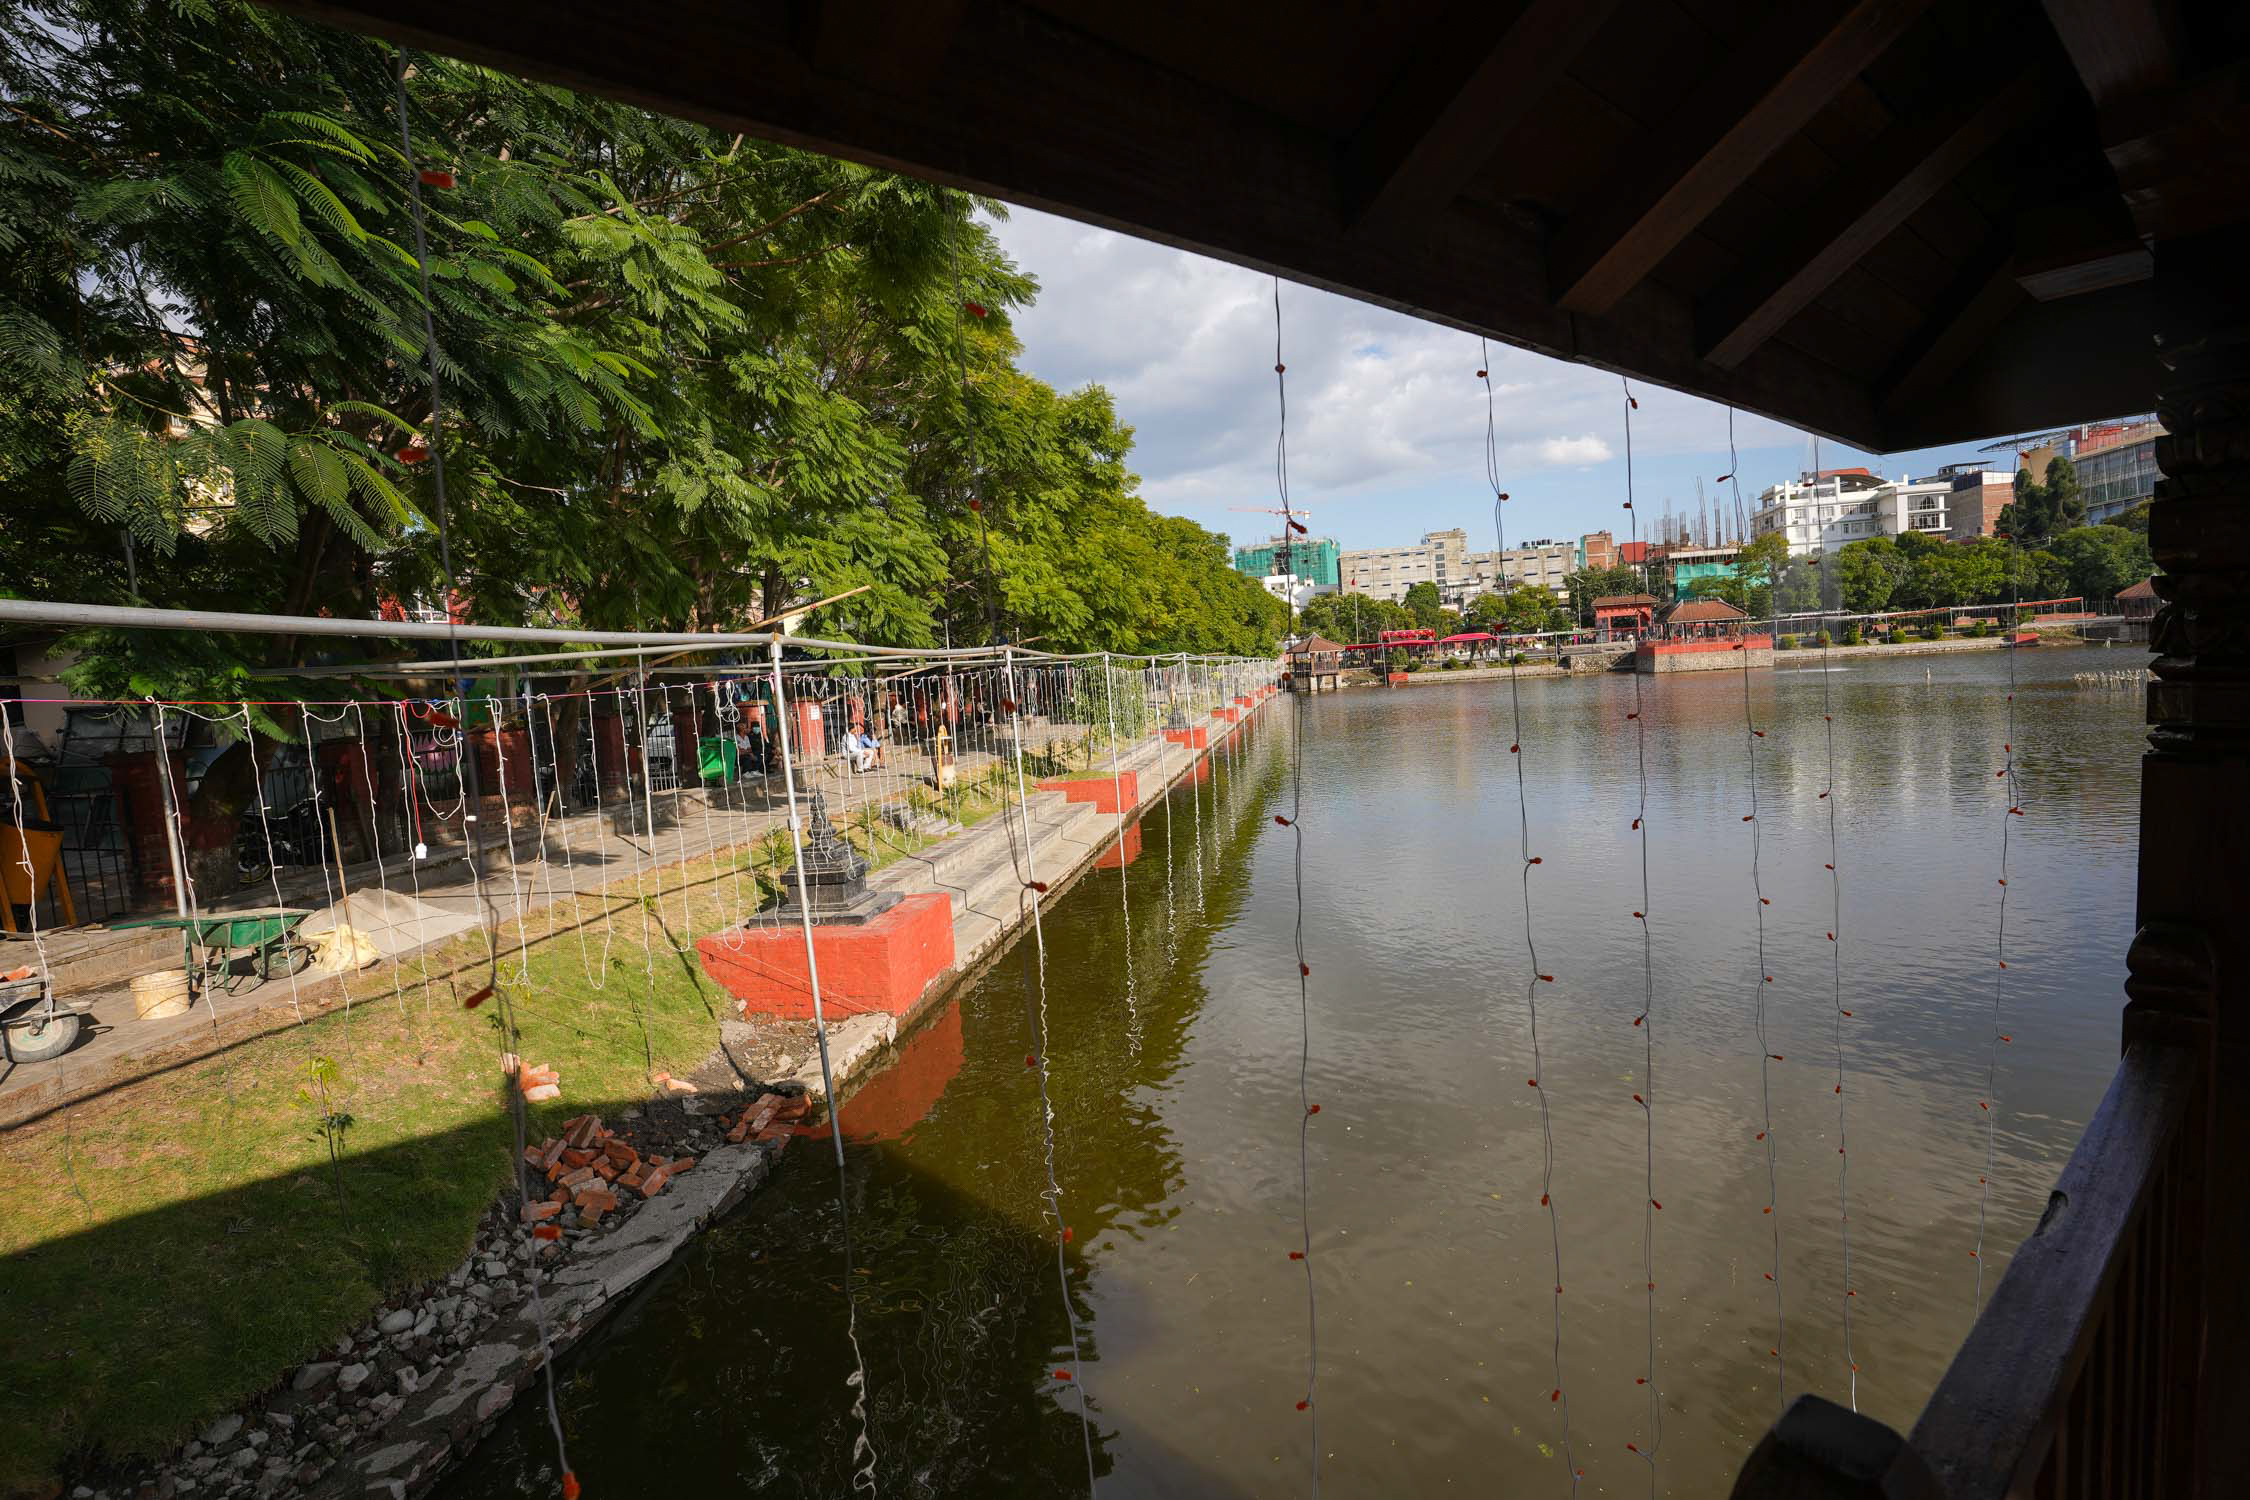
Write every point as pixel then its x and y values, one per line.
pixel 715 757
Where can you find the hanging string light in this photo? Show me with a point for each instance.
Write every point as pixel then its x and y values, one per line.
pixel 508 1041
pixel 1767 1057
pixel 1836 986
pixel 1196 767
pixel 1152 680
pixel 562 820
pixel 1124 868
pixel 375 836
pixel 2013 809
pixel 1306 1109
pixel 863 1447
pixel 1559 1393
pixel 19 856
pixel 321 844
pixel 1648 1447
pixel 1029 889
pixel 410 784
pixel 265 828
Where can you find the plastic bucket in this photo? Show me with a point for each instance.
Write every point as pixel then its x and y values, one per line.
pixel 162 994
pixel 716 757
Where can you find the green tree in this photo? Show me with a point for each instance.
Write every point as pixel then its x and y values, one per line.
pixel 2041 511
pixel 1799 588
pixel 1524 609
pixel 2098 561
pixel 1353 618
pixel 1867 575
pixel 2033 575
pixel 1486 612
pixel 690 379
pixel 1423 603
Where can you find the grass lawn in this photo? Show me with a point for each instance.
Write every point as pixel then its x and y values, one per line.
pixel 171 1246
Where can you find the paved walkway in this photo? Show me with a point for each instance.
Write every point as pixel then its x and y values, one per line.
pixel 538 868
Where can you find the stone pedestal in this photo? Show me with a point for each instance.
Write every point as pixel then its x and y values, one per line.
pixel 831 877
pixel 1197 738
pixel 1228 714
pixel 1716 655
pixel 882 964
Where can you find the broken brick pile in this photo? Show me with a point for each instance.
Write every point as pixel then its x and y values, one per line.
pixel 767 1119
pixel 587 1164
pixel 539 1082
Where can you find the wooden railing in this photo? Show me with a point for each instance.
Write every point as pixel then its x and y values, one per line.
pixel 2080 1378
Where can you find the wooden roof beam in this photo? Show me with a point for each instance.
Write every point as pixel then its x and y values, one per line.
pixel 2033 362
pixel 1978 302
pixel 2121 48
pixel 1055 119
pixel 1763 92
pixel 2069 246
pixel 1868 199
pixel 890 47
pixel 1479 74
pixel 2182 157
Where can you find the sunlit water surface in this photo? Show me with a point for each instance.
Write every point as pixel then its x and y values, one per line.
pixel 1176 1115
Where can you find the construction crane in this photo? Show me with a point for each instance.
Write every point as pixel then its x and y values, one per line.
pixel 1290 515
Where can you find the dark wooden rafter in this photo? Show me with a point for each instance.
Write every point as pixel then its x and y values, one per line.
pixel 1440 120
pixel 1980 299
pixel 1760 95
pixel 1171 160
pixel 1025 101
pixel 2069 246
pixel 1868 199
pixel 891 46
pixel 2182 156
pixel 2121 48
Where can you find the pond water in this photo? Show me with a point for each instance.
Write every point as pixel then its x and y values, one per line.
pixel 1176 1115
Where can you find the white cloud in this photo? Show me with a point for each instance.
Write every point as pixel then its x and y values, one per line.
pixel 1386 414
pixel 1586 448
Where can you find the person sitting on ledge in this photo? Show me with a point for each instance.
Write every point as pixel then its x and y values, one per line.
pixel 866 750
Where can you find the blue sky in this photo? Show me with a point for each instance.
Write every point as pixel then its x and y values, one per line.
pixel 1386 416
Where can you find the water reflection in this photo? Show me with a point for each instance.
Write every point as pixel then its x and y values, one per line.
pixel 1175 1114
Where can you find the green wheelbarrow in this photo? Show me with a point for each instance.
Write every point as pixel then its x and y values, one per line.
pixel 236 951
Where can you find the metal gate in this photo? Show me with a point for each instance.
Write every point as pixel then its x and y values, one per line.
pixel 97 839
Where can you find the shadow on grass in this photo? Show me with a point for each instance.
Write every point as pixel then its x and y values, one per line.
pixel 173 1243
pixel 172 1249
pixel 123 1340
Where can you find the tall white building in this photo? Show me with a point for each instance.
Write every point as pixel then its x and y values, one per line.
pixel 1292 589
pixel 1818 513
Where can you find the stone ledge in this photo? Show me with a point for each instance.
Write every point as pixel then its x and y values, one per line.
pixel 444 1418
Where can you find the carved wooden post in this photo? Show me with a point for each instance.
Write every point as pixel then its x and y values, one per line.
pixel 2191 959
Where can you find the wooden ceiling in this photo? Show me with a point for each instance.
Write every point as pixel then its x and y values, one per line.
pixel 1895 222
